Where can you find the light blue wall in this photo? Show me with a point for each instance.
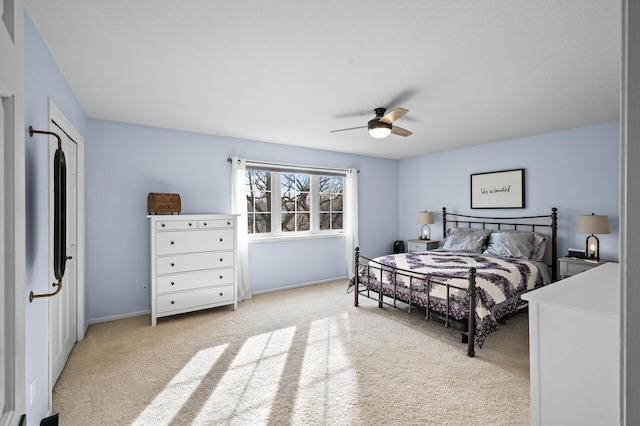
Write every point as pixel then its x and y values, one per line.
pixel 575 170
pixel 43 80
pixel 125 162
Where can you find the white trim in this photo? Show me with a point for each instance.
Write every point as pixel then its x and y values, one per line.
pixel 119 317
pixel 273 290
pixel 629 206
pixel 299 236
pixel 290 287
pixel 13 217
pixel 293 168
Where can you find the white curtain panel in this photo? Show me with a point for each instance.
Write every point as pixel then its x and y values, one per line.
pixel 239 206
pixel 351 220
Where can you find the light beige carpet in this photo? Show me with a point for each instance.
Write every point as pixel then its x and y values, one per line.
pixel 298 357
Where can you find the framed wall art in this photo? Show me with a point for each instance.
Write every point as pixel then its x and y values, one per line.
pixel 498 190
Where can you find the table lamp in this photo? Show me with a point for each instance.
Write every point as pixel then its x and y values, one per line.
pixel 425 219
pixel 593 224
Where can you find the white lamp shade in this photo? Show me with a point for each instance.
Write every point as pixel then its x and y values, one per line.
pixel 593 224
pixel 425 218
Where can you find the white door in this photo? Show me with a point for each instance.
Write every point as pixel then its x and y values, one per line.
pixel 63 306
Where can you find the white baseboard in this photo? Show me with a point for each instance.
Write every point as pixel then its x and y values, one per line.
pixel 117 317
pixel 271 290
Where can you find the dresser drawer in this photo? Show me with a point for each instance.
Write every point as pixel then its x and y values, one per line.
pixel 215 223
pixel 192 299
pixel 422 245
pixel 176 224
pixel 574 268
pixel 194 280
pixel 417 246
pixel 568 269
pixel 193 241
pixel 193 262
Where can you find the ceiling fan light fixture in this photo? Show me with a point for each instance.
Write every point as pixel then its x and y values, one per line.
pixel 379 129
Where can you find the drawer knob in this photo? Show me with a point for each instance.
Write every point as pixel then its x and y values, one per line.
pixel 220 276
pixel 189 223
pixel 162 225
pixel 220 239
pixel 172 302
pixel 172 283
pixel 220 294
pixel 173 264
pixel 220 259
pixel 172 243
pixel 205 224
pixel 228 223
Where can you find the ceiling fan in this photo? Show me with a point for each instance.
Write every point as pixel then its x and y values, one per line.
pixel 382 124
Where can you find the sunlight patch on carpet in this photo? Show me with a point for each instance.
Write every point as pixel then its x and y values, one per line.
pixel 328 383
pixel 168 403
pixel 248 388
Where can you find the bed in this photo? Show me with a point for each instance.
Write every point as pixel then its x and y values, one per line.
pixel 483 265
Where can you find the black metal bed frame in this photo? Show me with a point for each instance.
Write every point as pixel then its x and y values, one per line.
pixel 467 328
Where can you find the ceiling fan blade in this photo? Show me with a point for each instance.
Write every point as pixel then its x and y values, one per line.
pixel 400 131
pixel 392 116
pixel 402 98
pixel 350 128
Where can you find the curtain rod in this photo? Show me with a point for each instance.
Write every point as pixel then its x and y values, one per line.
pixel 292 166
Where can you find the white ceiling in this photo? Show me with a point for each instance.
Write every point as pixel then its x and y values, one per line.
pixel 284 71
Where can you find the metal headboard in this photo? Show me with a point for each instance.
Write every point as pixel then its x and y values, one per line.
pixel 529 223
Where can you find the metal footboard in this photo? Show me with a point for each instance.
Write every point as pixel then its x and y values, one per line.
pixel 367 265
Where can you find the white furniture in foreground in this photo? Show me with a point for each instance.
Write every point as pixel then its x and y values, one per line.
pixel 193 263
pixel 574 349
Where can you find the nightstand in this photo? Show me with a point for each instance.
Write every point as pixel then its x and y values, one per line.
pixel 422 245
pixel 572 265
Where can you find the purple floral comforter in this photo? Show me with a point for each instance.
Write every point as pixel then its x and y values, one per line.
pixel 499 283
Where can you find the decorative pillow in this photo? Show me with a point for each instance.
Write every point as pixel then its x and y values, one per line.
pixel 514 244
pixel 455 230
pixel 539 247
pixel 539 244
pixel 464 241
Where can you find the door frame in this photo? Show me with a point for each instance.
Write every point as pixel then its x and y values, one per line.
pixel 12 276
pixel 13 216
pixel 61 122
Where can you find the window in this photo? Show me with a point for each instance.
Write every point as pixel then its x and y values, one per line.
pixel 259 201
pixel 295 196
pixel 330 209
pixel 288 202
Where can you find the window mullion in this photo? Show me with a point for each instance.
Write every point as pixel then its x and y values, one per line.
pixel 315 203
pixel 276 203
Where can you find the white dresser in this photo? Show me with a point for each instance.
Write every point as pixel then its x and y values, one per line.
pixel 574 349
pixel 193 263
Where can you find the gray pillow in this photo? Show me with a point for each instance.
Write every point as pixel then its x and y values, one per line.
pixel 455 230
pixel 539 244
pixel 464 241
pixel 539 247
pixel 513 244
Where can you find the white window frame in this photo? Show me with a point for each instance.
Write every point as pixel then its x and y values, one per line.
pixel 314 231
